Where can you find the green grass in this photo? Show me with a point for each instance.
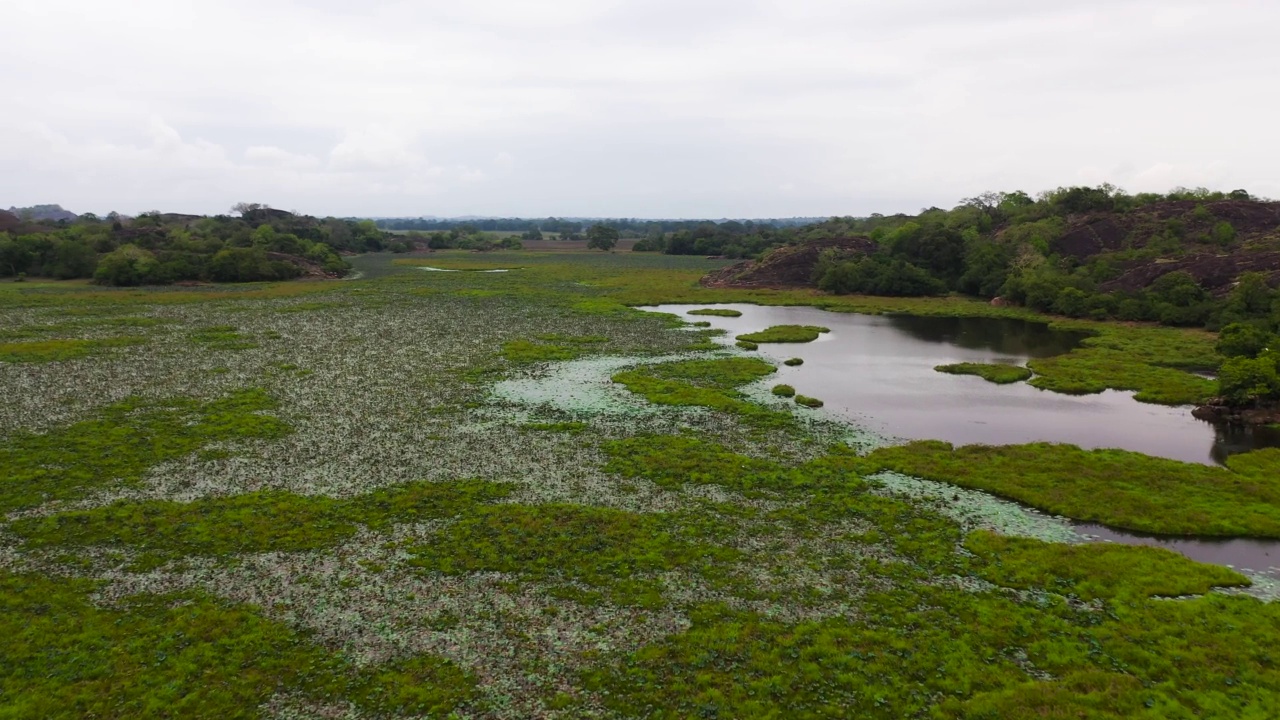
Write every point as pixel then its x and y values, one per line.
pixel 123 442
pixel 1114 487
pixel 785 391
pixel 808 402
pixel 747 345
pixel 550 348
pixel 222 337
pixel 184 656
pixel 1095 570
pixel 43 351
pixel 268 521
pixel 611 551
pixel 718 312
pixel 705 383
pixel 785 334
pixel 998 373
pixel 1092 370
pixel 794 362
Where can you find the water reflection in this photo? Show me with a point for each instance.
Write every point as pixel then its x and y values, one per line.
pixel 1012 338
pixel 878 372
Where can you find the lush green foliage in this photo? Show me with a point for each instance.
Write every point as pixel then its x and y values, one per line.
pixel 1095 570
pixel 156 249
pixel 784 391
pixel 785 334
pixel 611 550
pixel 718 312
pixel 124 441
pixel 997 373
pixel 807 401
pixel 1115 487
pixel 268 521
pixel 60 350
pixel 181 656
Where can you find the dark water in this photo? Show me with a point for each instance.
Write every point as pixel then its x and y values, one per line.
pixel 1261 556
pixel 878 372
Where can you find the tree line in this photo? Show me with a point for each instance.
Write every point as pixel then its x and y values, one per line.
pixel 155 248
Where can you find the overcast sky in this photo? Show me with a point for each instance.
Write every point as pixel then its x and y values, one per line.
pixel 646 108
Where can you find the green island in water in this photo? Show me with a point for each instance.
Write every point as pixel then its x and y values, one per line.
pixel 412 494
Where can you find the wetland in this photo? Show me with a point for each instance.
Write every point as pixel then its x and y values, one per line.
pixel 511 495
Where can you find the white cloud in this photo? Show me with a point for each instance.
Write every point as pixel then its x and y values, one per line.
pixel 621 107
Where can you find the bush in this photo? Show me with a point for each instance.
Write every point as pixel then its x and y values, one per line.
pixel 128 265
pixel 249 264
pixel 879 275
pixel 1243 380
pixel 1244 340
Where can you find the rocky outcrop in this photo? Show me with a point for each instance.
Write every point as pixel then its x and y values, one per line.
pixel 789 266
pixel 1218 410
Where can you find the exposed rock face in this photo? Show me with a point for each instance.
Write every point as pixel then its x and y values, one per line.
pixel 790 266
pixel 1218 411
pixel 1217 273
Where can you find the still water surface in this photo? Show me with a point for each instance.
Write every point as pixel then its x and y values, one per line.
pixel 877 370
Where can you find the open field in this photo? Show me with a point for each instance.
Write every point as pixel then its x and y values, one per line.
pixel 510 495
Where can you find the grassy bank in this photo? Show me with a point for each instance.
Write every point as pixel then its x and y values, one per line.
pixel 995 373
pixel 1114 487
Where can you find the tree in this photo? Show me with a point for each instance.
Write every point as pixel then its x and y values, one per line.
pixel 1244 340
pixel 601 237
pixel 128 265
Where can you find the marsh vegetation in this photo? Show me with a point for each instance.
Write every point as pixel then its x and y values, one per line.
pixel 329 500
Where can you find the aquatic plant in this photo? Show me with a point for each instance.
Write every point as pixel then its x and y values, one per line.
pixel 807 401
pixel 785 391
pixel 794 362
pixel 998 373
pixel 785 334
pixel 718 312
pixel 1115 487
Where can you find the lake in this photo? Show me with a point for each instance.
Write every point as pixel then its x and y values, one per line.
pixel 877 371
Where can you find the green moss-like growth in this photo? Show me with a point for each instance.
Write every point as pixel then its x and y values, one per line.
pixel 124 441
pixel 562 427
pixel 612 550
pixel 808 402
pixel 746 345
pixel 702 323
pixel 251 523
pixel 705 383
pixel 42 351
pixel 1095 570
pixel 1115 487
pixel 717 312
pixel 786 334
pixel 785 391
pixel 997 373
pixel 1092 370
pixel 794 362
pixel 525 352
pixel 421 685
pixel 184 656
pixel 223 337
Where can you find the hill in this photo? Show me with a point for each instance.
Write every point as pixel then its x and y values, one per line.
pixel 1188 258
pixel 43 213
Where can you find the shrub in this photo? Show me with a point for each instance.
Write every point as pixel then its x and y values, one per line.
pixel 1244 340
pixel 128 265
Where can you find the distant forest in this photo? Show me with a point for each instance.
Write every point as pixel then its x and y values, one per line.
pixel 157 248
